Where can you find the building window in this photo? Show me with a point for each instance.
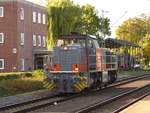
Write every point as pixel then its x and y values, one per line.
pixel 1 11
pixel 34 40
pixel 22 65
pixel 22 14
pixel 14 50
pixel 1 64
pixel 44 19
pixel 1 37
pixel 40 41
pixel 34 16
pixel 22 39
pixel 39 17
pixel 44 41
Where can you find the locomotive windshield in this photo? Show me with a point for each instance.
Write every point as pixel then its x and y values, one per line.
pixel 71 42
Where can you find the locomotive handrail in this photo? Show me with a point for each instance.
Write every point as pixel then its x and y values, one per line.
pixel 64 71
pixel 110 63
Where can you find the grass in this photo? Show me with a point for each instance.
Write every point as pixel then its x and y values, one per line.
pixel 20 85
pixel 17 84
pixel 125 73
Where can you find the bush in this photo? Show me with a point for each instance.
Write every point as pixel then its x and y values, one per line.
pixel 22 85
pixel 38 73
pixel 20 82
pixel 14 75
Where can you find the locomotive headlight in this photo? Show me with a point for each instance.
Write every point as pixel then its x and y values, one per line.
pixel 56 67
pixel 76 69
pixel 65 48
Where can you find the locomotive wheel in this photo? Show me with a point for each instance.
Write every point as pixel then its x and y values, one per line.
pixel 98 84
pixel 109 77
pixel 105 85
pixel 115 73
pixel 112 76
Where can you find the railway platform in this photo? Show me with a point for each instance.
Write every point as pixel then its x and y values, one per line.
pixel 142 106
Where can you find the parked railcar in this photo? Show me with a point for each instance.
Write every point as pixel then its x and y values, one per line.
pixel 78 63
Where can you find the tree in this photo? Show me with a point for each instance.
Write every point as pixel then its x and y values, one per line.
pixel 134 29
pixel 137 30
pixel 65 17
pixel 145 43
pixel 92 23
pixel 62 16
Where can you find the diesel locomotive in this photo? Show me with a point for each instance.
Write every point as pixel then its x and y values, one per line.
pixel 78 63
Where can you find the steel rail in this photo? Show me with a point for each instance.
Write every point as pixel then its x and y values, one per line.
pixel 129 77
pixel 27 102
pixel 131 103
pixel 101 103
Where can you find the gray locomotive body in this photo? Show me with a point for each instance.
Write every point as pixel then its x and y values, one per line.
pixel 77 63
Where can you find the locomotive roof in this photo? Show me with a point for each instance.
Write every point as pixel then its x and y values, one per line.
pixel 77 36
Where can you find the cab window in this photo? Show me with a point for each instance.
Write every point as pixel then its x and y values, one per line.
pixel 71 42
pixel 90 43
pixel 93 43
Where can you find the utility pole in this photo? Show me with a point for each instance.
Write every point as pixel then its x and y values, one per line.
pixel 103 12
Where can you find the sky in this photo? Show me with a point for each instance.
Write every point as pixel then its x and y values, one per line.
pixel 116 10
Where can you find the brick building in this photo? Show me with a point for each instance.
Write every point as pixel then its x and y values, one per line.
pixel 22 35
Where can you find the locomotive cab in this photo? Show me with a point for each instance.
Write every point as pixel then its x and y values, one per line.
pixel 77 63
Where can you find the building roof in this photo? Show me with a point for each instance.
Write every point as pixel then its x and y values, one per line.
pixel 116 43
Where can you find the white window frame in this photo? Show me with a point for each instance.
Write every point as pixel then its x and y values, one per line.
pixel 44 19
pixel 2 9
pixel 39 18
pixel 44 41
pixel 39 40
pixel 21 13
pixel 34 40
pixel 34 17
pixel 22 65
pixel 3 64
pixel 2 34
pixel 22 38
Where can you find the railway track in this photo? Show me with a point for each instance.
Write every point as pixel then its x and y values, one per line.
pixel 34 104
pixel 130 103
pixel 40 103
pixel 103 106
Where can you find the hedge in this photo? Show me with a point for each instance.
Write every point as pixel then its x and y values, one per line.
pixel 14 75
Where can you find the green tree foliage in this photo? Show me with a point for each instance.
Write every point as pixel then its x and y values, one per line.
pixel 62 16
pixel 137 30
pixel 90 20
pixel 145 43
pixel 92 23
pixel 134 29
pixel 105 26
